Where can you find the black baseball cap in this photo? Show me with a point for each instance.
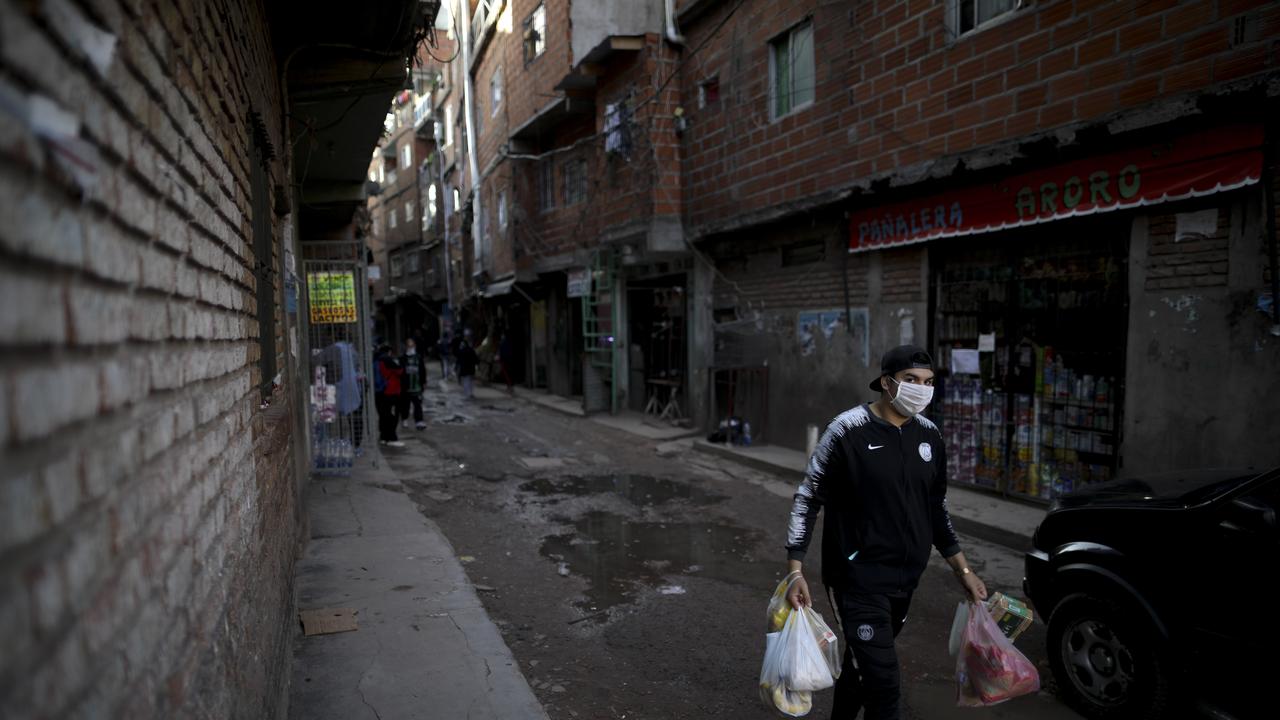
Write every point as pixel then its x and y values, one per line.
pixel 903 357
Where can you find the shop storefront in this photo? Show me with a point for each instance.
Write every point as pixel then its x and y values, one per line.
pixel 1029 296
pixel 1029 335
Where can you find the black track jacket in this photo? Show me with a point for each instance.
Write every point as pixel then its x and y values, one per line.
pixel 885 490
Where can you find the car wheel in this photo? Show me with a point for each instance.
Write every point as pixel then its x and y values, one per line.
pixel 1106 661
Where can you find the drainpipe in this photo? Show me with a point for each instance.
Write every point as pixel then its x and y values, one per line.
pixel 469 113
pixel 445 200
pixel 673 34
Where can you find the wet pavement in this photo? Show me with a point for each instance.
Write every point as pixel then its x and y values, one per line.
pixel 633 585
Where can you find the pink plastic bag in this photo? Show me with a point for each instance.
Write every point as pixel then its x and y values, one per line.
pixel 989 669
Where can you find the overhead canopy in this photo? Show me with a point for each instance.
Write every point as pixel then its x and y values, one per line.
pixel 1193 165
pixel 342 64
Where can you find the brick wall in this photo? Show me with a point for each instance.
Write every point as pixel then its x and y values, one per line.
pixel 896 89
pixel 149 520
pixel 1188 261
pixel 754 276
pixel 902 274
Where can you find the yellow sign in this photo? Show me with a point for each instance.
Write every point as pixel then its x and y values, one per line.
pixel 332 297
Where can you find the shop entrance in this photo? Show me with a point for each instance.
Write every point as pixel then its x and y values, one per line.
pixel 1029 336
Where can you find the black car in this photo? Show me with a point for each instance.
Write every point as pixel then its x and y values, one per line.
pixel 1161 595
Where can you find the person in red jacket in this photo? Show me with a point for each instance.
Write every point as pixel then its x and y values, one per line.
pixel 386 397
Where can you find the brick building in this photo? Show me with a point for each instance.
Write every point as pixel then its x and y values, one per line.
pixel 739 204
pixel 167 168
pixel 1069 193
pixel 576 173
pixel 405 212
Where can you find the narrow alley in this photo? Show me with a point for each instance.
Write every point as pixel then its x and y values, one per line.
pixel 629 576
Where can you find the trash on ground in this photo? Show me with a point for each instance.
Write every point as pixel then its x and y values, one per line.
pixel 326 621
pixel 563 569
pixel 467 558
pixel 671 590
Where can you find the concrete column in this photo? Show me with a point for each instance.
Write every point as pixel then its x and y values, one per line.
pixel 701 340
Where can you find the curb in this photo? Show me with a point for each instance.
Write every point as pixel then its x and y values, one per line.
pixel 983 531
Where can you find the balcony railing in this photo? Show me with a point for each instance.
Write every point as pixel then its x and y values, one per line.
pixel 422 113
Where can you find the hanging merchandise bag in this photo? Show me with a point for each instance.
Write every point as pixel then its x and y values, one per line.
pixel 989 669
pixel 801 655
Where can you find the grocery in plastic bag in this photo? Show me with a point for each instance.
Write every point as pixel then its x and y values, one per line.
pixel 989 669
pixel 801 655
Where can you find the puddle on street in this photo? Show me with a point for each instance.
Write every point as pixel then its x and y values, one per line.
pixel 620 556
pixel 638 489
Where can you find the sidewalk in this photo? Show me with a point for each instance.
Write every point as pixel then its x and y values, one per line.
pixel 568 406
pixel 425 647
pixel 973 512
pixel 627 420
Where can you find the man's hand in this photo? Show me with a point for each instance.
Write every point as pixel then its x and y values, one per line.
pixel 973 586
pixel 798 594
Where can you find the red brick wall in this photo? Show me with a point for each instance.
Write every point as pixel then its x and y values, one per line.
pixel 1188 261
pixel 147 507
pixel 754 277
pixel 894 89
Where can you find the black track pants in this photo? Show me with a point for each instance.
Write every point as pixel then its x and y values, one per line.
pixel 869 677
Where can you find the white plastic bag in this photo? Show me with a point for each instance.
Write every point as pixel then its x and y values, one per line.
pixel 801 655
pixel 957 627
pixel 804 664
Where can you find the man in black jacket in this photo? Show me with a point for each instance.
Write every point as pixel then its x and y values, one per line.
pixel 881 471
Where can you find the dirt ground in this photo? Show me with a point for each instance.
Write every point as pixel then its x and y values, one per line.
pixel 631 583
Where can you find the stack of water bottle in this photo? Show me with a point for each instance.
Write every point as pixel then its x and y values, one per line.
pixel 334 454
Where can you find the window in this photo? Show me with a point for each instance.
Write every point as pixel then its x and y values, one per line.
pixel 495 91
pixel 535 34
pixel 546 185
pixel 575 181
pixel 973 14
pixel 803 253
pixel 480 114
pixel 448 126
pixel 457 199
pixel 502 210
pixel 391 219
pixel 397 265
pixel 616 126
pixel 408 211
pixel 791 70
pixel 709 92
pixel 432 199
pixel 406 155
pixel 415 262
pixel 382 173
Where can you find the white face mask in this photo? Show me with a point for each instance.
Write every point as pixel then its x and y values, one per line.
pixel 411 351
pixel 912 398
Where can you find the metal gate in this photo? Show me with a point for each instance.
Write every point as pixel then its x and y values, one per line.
pixel 339 356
